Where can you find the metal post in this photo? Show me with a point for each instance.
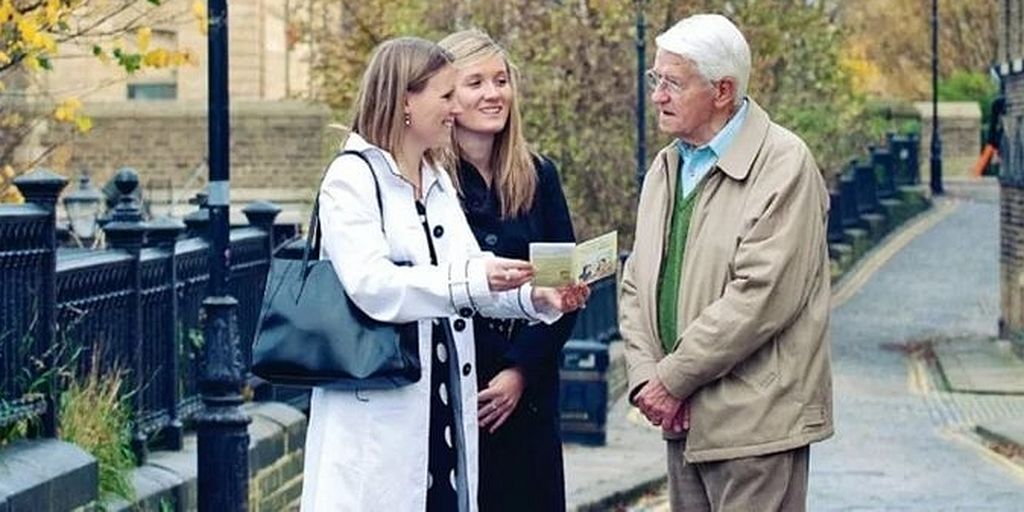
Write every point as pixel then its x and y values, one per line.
pixel 641 97
pixel 223 437
pixel 262 214
pixel 936 160
pixel 126 232
pixel 164 233
pixel 42 187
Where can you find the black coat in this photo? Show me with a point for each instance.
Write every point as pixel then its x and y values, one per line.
pixel 521 463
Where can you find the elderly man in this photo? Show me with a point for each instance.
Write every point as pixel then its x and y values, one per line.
pixel 725 299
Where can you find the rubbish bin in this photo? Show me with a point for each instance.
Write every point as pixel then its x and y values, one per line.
pixel 584 392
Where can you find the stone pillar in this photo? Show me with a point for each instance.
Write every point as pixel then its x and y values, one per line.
pixel 960 125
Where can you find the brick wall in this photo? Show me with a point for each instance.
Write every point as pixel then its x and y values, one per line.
pixel 1011 30
pixel 1012 209
pixel 273 144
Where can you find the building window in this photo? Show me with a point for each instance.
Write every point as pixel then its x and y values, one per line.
pixel 156 84
pixel 154 91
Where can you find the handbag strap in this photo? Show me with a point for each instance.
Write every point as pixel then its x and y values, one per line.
pixel 313 237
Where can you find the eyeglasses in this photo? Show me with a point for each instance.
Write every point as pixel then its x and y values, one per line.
pixel 657 80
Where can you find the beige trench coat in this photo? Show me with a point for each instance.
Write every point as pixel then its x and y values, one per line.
pixel 752 355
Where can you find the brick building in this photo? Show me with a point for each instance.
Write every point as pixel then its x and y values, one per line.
pixel 1010 67
pixel 265 63
pixel 155 121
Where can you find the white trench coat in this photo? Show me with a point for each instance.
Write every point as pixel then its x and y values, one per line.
pixel 367 450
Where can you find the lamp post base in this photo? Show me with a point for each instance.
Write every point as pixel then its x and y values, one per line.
pixel 223 435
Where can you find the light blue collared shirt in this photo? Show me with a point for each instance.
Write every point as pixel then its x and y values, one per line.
pixel 697 161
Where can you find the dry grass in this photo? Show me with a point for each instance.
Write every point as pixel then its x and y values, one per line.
pixel 95 415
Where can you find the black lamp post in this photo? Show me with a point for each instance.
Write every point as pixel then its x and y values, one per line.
pixel 936 155
pixel 223 437
pixel 83 207
pixel 641 96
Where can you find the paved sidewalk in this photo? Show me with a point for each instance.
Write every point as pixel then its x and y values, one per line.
pixel 979 365
pixel 904 441
pixel 632 462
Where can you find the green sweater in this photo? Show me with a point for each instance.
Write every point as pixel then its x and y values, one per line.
pixel 670 278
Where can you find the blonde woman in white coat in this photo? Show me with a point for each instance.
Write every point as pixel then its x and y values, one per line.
pixel 413 448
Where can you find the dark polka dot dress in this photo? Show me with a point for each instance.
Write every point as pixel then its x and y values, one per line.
pixel 443 452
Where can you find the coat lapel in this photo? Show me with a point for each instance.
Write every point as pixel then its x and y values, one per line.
pixel 739 156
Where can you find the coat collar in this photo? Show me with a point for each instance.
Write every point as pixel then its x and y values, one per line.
pixel 431 173
pixel 738 158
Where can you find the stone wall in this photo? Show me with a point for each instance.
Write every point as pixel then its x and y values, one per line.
pixel 53 476
pixel 273 144
pixel 960 126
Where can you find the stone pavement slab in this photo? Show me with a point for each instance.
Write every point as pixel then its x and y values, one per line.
pixel 631 463
pixel 980 365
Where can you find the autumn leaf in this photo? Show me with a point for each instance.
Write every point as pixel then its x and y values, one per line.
pixel 143 36
pixel 84 124
pixel 199 12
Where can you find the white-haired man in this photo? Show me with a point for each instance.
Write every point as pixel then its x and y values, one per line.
pixel 725 299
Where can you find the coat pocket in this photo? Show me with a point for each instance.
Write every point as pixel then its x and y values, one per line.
pixel 761 369
pixel 813 416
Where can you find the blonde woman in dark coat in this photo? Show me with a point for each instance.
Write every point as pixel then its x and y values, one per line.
pixel 511 197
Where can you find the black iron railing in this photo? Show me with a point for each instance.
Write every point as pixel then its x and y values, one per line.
pixel 134 306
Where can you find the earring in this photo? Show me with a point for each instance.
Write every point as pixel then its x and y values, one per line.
pixel 408 119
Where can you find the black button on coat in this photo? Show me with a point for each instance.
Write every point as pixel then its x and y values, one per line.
pixel 521 463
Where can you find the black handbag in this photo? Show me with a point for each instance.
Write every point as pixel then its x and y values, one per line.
pixel 310 333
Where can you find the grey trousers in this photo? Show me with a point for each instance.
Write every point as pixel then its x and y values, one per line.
pixel 775 482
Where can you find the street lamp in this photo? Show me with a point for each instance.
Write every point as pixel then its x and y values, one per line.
pixel 936 156
pixel 641 97
pixel 223 436
pixel 83 207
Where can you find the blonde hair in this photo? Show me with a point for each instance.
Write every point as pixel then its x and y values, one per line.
pixel 515 176
pixel 397 68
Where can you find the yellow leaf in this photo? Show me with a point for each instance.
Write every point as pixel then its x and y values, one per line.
pixel 11 195
pixel 199 11
pixel 157 58
pixel 47 43
pixel 72 103
pixel 84 124
pixel 68 109
pixel 52 12
pixel 6 11
pixel 28 29
pixel 4 58
pixel 144 35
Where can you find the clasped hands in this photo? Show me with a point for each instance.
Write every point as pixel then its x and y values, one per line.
pixel 505 274
pixel 662 409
